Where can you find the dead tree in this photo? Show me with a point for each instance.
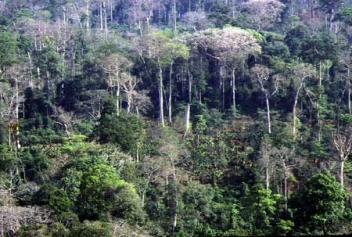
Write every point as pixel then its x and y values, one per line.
pixel 343 145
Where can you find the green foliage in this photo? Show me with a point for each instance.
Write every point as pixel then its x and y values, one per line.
pixel 35 164
pixel 127 205
pixel 219 16
pixel 260 210
pixel 76 157
pixel 296 38
pixel 59 201
pixel 50 61
pixel 330 5
pixel 71 182
pixel 209 153
pixel 68 219
pixel 25 193
pixel 98 183
pixel 92 229
pixel 8 159
pixel 55 198
pixel 326 206
pixel 8 49
pixel 96 189
pixel 327 48
pixel 55 230
pixel 163 48
pixel 126 130
pixel 3 133
pixel 345 15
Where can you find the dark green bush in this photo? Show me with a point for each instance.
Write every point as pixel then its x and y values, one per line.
pixel 92 229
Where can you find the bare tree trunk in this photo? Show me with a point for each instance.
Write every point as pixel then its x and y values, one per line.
pixel 174 194
pixel 105 19
pixel 187 118
pixel 148 22
pixel 349 90
pixel 170 94
pixel 118 91
pixel 267 178
pixel 285 184
pixel 174 13
pixel 268 112
pixel 294 111
pixel 101 16
pixel 201 78
pixel 140 28
pixel 17 104
pixel 318 104
pixel 342 172
pixel 234 89
pixel 129 102
pixel 73 62
pixel 38 74
pixel 343 146
pixel 143 193
pixel 222 92
pixel 30 84
pixel 188 112
pixel 88 16
pixel 161 97
pixel 111 11
pixel 233 9
pixel 9 136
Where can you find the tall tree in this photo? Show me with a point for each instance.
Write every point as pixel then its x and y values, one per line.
pixel 343 145
pixel 230 45
pixel 326 209
pixel 262 75
pixel 163 50
pixel 301 72
pixel 263 14
pixel 114 65
pixel 8 50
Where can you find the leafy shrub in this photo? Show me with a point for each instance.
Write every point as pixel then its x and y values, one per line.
pixel 68 219
pixel 97 185
pixel 35 164
pixel 55 198
pixel 92 229
pixel 127 205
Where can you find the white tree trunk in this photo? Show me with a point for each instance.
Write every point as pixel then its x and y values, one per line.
pixel 161 97
pixel 187 118
pixel 174 13
pixel 17 105
pixel 234 89
pixel 349 91
pixel 342 172
pixel 111 11
pixel 88 16
pixel 30 83
pixel 118 91
pixel 294 110
pixel 267 178
pixel 101 16
pixel 188 111
pixel 318 103
pixel 170 94
pixel 105 19
pixel 175 197
pixel 268 112
pixel 285 184
pixel 129 102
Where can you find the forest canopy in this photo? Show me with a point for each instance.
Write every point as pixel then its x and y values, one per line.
pixel 204 118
